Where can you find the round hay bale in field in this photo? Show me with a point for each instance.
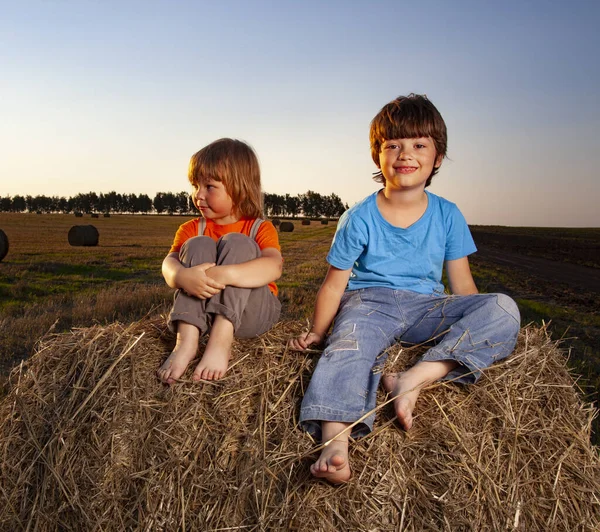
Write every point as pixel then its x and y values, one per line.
pixel 107 214
pixel 276 222
pixel 3 244
pixel 83 235
pixel 286 227
pixel 324 222
pixel 91 440
pixel 305 222
pixel 78 215
pixel 94 215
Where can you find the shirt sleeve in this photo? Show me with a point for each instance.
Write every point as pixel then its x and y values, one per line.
pixel 267 236
pixel 349 242
pixel 187 230
pixel 459 241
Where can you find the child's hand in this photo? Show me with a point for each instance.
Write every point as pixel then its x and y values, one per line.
pixel 194 281
pixel 301 342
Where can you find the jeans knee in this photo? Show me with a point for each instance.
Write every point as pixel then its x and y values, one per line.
pixel 511 310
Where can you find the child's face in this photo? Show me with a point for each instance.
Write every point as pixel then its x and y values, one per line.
pixel 408 163
pixel 213 201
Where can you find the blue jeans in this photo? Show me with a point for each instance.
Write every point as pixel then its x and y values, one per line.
pixel 474 331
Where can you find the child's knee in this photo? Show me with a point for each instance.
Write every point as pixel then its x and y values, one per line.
pixel 244 247
pixel 198 250
pixel 235 238
pixel 512 316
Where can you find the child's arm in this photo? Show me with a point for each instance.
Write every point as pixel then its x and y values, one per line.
pixel 326 307
pixel 252 274
pixel 193 281
pixel 460 278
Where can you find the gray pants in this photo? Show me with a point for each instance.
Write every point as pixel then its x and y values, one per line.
pixel 252 311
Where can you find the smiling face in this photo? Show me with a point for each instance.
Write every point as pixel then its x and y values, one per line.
pixel 408 163
pixel 408 117
pixel 212 200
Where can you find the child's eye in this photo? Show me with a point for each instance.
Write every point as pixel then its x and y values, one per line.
pixel 419 146
pixel 391 146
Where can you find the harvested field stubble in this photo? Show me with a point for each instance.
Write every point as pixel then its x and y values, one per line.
pixel 91 440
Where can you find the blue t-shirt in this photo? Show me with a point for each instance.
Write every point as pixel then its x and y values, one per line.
pixel 381 254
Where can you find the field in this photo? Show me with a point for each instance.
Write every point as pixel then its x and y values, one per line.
pixel 45 284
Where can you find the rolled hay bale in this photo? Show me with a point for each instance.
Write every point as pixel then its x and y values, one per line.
pixel 91 440
pixel 324 222
pixel 3 245
pixel 78 215
pixel 276 222
pixel 107 214
pixel 286 227
pixel 94 215
pixel 83 235
pixel 306 222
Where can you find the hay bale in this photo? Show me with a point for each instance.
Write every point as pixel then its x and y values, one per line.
pixel 306 221
pixel 94 215
pixel 286 227
pixel 78 215
pixel 276 222
pixel 324 222
pixel 83 235
pixel 90 440
pixel 107 214
pixel 3 244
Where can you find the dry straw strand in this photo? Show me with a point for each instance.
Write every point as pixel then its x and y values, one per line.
pixel 92 441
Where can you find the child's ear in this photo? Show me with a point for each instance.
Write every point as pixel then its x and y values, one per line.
pixel 438 161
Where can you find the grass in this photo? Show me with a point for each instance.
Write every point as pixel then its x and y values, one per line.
pixel 47 284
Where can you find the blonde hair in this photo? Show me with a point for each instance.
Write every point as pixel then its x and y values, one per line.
pixel 233 163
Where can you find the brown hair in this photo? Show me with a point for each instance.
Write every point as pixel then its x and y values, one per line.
pixel 407 117
pixel 233 163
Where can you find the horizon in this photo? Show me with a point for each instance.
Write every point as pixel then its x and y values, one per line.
pixel 117 97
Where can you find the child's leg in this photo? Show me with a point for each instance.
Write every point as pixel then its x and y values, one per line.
pixel 184 352
pixel 405 386
pixel 240 312
pixel 343 387
pixel 215 359
pixel 188 316
pixel 332 464
pixel 476 331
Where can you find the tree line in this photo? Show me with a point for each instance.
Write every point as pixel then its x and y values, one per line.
pixel 312 204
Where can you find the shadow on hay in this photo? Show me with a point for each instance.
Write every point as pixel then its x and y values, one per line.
pixel 91 440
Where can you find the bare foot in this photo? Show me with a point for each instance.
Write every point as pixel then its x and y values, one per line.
pixel 215 360
pixel 332 464
pixel 406 386
pixel 406 392
pixel 185 351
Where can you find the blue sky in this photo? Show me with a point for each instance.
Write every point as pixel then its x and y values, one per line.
pixel 100 96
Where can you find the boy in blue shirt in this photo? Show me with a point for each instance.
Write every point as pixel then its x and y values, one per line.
pixel 384 285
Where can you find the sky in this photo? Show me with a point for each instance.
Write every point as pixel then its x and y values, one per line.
pixel 101 95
